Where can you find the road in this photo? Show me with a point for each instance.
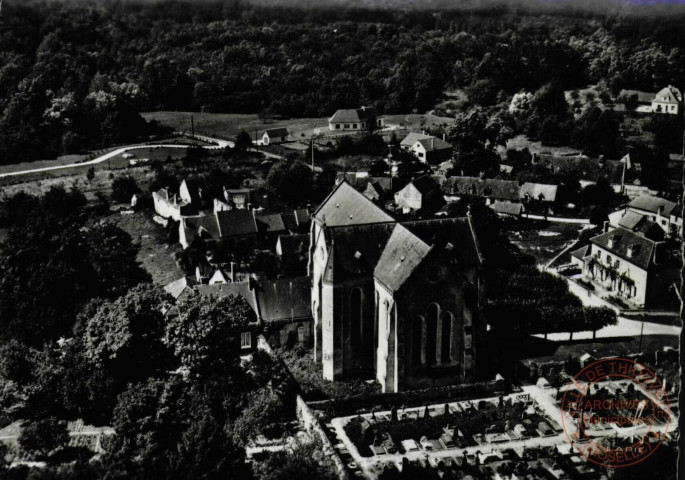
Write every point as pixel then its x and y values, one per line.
pixel 219 144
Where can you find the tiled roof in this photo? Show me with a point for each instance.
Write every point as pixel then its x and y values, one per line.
pixel 498 189
pixel 225 289
pixel 677 211
pixel 651 204
pixel 507 208
pixel 177 287
pixel 401 255
pixel 302 216
pixel 352 115
pixel 642 253
pixel 433 143
pixel 346 206
pixel 630 220
pixel 277 132
pixel 581 252
pixel 208 223
pixel 424 184
pixel 582 166
pixel 539 190
pixel 270 222
pixel 455 230
pixel 284 299
pixel 236 222
pixel 669 94
pixel 412 138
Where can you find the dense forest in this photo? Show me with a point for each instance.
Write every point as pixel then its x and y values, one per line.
pixel 74 76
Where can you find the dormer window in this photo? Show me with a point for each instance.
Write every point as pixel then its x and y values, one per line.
pixel 612 241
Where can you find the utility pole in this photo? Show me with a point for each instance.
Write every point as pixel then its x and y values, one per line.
pixel 192 126
pixel 642 329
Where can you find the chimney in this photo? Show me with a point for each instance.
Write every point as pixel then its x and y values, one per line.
pixel 612 241
pixel 605 226
pixel 198 275
pixel 443 137
pixel 660 209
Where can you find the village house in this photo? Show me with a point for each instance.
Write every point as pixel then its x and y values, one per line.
pixel 629 265
pixel 657 210
pixel 170 205
pixel 422 193
pixel 428 149
pixel 491 189
pixel 538 191
pixel 232 226
pixel 396 301
pixel 668 100
pixel 507 209
pixel 359 119
pixel 274 136
pixel 282 307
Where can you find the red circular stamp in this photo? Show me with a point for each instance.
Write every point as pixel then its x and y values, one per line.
pixel 615 412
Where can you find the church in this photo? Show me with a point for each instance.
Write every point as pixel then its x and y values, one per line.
pixel 393 300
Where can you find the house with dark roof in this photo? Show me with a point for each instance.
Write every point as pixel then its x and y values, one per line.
pixel 232 226
pixel 358 119
pixel 275 136
pixel 491 189
pixel 507 209
pixel 394 301
pixel 631 266
pixel 422 193
pixel 428 149
pixel 283 305
pixel 657 210
pixel 668 100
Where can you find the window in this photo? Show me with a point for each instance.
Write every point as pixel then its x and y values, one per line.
pixel 356 317
pixel 420 154
pixel 417 337
pixel 608 259
pixel 446 340
pixel 354 125
pixel 337 126
pixel 347 125
pixel 246 340
pixel 431 334
pixel 617 263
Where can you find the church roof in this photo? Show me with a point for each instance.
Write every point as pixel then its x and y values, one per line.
pixel 401 255
pixel 347 206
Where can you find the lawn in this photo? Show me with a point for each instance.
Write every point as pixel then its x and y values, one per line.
pixel 543 240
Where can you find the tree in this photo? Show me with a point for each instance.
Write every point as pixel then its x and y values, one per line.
pixel 243 141
pixel 205 335
pixel 50 259
pixel 306 461
pixel 125 336
pixel 123 188
pixel 40 437
pixel 90 174
pixel 291 181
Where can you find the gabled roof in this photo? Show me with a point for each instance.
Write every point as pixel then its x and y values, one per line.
pixel 583 167
pixel 346 206
pixel 276 132
pixel 241 289
pixel 401 255
pixel 177 287
pixel 284 299
pixel 353 115
pixel 581 252
pixel 433 143
pixel 424 184
pixel 207 223
pixel 539 190
pixel 236 222
pixel 677 211
pixel 630 220
pixel 302 216
pixel 650 203
pixel 499 189
pixel 507 208
pixel 642 254
pixel 669 94
pixel 270 222
pixel 412 138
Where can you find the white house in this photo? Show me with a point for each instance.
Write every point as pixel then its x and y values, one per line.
pixel 274 136
pixel 355 119
pixel 169 205
pixel 427 148
pixel 658 210
pixel 629 265
pixel 668 100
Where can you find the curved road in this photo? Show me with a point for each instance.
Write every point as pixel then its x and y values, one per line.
pixel 220 144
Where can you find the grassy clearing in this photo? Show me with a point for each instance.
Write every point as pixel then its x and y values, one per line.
pixel 156 256
pixel 543 240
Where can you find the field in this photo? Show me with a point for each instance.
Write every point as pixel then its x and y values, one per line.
pixel 228 125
